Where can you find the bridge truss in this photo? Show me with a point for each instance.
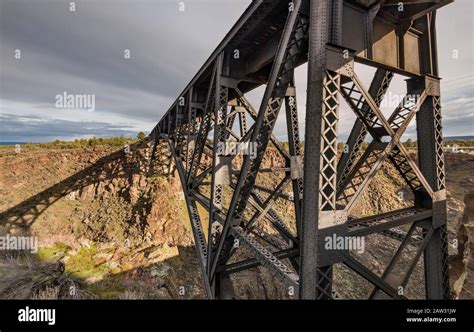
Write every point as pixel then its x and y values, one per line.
pixel 240 193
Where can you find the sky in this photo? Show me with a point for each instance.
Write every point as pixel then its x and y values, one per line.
pixel 136 56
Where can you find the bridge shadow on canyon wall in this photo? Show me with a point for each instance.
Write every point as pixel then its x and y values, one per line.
pixel 117 165
pixel 175 276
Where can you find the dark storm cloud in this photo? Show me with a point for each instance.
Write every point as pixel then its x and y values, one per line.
pixel 90 43
pixel 83 51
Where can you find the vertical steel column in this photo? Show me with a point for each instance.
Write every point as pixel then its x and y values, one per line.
pixel 219 173
pixel 296 165
pixel 328 168
pixel 242 119
pixel 319 30
pixel 203 131
pixel 431 159
pixel 191 143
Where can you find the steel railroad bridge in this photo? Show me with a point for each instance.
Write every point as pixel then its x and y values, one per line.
pixel 271 39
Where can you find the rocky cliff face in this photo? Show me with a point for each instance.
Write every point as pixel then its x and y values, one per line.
pixel 124 232
pixel 462 264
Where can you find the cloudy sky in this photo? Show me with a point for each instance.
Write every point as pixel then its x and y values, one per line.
pixel 82 52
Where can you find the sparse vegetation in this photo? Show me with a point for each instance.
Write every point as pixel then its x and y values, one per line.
pixel 112 142
pixel 459 143
pixel 53 253
pixel 84 265
pixel 141 136
pixel 25 277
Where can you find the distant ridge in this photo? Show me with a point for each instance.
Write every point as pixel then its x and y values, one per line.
pixel 458 138
pixel 12 143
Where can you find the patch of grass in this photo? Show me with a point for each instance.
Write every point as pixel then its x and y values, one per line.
pixel 51 254
pixel 83 264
